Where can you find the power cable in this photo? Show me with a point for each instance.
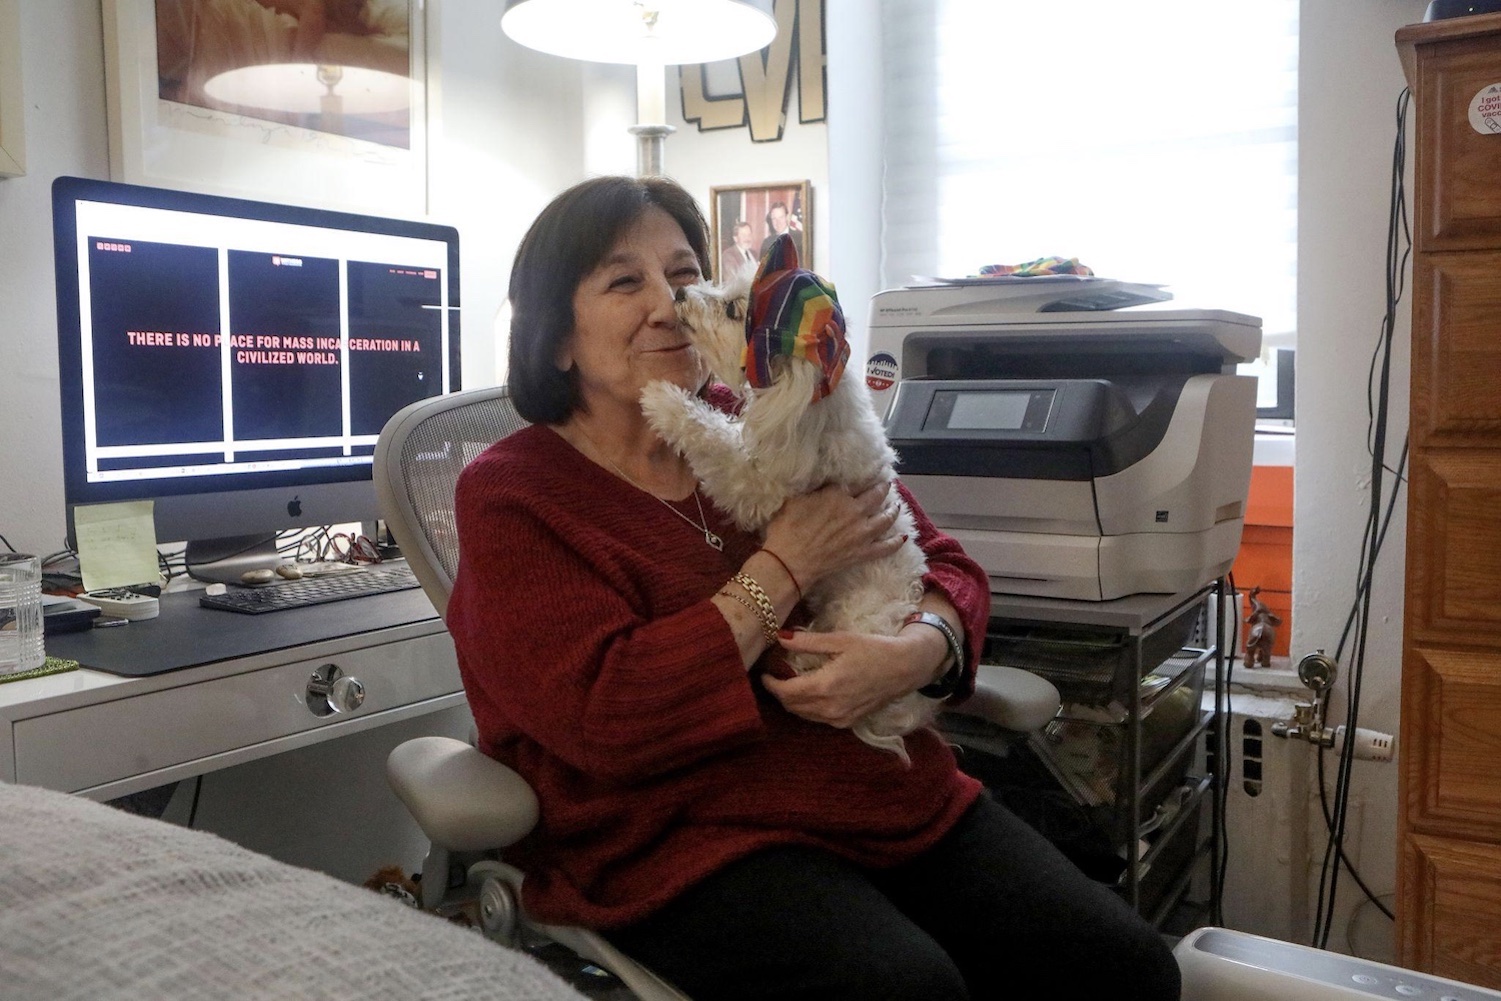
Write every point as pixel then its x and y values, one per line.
pixel 1398 248
pixel 1329 825
pixel 1222 713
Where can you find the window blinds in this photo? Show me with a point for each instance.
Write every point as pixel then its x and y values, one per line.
pixel 1154 142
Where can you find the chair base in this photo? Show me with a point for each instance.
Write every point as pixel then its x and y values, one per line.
pixel 491 890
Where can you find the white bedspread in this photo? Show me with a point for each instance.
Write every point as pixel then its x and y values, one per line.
pixel 98 904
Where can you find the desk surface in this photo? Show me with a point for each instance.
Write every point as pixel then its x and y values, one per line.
pixel 186 634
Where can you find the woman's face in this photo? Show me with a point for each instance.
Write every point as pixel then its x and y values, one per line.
pixel 625 331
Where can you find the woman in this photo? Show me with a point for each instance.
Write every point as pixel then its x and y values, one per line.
pixel 713 815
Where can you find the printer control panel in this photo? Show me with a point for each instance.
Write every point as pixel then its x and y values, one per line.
pixel 990 409
pixel 995 410
pixel 1050 429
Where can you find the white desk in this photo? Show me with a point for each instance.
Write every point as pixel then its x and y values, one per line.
pixel 103 735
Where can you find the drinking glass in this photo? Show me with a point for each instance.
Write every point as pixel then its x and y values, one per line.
pixel 20 613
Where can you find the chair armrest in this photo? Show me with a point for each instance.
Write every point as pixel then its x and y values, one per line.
pixel 1010 698
pixel 462 799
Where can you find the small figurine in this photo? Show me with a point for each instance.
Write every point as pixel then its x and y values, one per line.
pixel 1262 634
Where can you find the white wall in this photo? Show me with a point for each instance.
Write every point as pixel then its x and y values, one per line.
pixel 1348 87
pixel 509 138
pixel 855 167
pixel 63 86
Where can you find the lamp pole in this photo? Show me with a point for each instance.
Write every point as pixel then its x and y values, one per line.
pixel 651 129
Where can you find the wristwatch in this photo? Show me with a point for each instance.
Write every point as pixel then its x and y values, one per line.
pixel 949 682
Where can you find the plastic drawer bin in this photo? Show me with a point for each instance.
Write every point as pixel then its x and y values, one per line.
pixel 1085 748
pixel 1168 864
pixel 1089 665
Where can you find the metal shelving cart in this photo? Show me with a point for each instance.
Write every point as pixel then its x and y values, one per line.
pixel 1128 745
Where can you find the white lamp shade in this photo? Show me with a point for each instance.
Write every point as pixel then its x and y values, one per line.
pixel 302 88
pixel 660 32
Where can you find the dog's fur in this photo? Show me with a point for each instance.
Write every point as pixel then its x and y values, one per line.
pixel 782 445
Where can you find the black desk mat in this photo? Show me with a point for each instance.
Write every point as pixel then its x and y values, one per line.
pixel 186 634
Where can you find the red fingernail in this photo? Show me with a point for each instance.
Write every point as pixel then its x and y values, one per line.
pixel 785 634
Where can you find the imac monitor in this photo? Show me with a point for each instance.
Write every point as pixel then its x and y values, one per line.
pixel 234 361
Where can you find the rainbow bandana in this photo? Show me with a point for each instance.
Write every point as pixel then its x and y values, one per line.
pixel 793 314
pixel 1041 266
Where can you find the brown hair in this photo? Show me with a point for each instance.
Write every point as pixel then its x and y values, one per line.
pixel 567 241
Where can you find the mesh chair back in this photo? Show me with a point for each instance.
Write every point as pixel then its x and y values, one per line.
pixel 418 458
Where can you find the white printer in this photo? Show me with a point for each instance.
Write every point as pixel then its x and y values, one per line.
pixel 1077 454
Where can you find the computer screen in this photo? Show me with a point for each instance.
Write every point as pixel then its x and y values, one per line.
pixel 234 361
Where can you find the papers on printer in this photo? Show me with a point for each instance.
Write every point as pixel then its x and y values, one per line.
pixel 1082 455
pixel 1056 293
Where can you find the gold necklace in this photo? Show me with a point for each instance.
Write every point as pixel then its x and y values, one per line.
pixel 702 525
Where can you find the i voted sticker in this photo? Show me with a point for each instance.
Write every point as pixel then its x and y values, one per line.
pixel 1485 110
pixel 880 372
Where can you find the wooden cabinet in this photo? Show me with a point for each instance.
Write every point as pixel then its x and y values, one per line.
pixel 1449 826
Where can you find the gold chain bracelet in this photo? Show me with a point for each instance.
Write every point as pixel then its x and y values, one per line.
pixel 764 609
pixel 750 607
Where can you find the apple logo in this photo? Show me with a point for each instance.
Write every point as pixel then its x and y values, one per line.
pixel 294 507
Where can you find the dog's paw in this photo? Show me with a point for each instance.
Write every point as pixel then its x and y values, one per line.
pixel 803 662
pixel 669 409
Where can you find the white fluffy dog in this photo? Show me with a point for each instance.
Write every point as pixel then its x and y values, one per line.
pixel 787 441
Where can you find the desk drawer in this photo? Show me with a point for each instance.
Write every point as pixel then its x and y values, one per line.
pixel 89 746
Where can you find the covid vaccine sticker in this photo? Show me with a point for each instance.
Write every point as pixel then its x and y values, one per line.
pixel 1485 110
pixel 880 372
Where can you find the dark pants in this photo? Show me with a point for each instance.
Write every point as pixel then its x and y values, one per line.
pixel 992 911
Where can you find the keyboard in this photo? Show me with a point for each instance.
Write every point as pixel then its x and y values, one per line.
pixel 318 590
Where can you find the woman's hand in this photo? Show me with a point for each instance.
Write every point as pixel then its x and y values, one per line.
pixel 863 673
pixel 829 529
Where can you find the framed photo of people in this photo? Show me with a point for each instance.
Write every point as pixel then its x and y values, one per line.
pixel 746 218
pixel 325 107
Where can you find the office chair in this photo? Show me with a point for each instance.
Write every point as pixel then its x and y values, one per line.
pixel 465 801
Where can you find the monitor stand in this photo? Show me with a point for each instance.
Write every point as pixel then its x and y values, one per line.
pixel 223 561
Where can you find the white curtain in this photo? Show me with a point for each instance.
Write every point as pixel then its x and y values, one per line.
pixel 1155 142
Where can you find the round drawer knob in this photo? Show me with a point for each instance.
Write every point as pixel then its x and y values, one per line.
pixel 346 694
pixel 330 691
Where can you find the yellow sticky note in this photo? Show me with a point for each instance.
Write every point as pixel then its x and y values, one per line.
pixel 116 544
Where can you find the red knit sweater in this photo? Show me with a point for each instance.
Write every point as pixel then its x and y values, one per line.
pixel 597 667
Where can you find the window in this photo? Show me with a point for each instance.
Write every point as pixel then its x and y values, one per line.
pixel 1154 143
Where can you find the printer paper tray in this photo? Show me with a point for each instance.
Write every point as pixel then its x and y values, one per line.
pixel 1101 568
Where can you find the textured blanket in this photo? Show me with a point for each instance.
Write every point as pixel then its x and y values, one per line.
pixel 98 904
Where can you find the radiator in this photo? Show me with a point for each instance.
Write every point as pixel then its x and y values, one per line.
pixel 1267 812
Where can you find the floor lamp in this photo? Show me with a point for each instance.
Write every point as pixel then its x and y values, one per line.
pixel 649 34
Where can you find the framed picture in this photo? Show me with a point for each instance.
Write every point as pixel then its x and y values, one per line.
pixel 746 218
pixel 12 106
pixel 235 97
